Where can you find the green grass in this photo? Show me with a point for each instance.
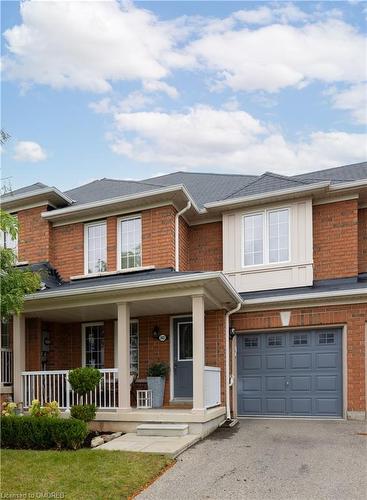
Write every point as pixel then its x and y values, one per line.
pixel 81 474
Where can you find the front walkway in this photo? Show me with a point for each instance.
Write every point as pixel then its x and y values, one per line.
pixel 271 460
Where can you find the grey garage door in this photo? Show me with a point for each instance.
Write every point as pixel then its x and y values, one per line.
pixel 296 373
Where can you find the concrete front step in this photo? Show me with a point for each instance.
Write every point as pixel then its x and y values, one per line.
pixel 168 430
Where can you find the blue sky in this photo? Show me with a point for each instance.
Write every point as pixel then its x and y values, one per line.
pixel 132 90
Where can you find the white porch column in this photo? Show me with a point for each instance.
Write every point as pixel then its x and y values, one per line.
pixel 123 355
pixel 18 355
pixel 198 353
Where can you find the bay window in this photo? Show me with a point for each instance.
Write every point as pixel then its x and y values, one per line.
pixel 266 237
pixel 95 247
pixel 129 242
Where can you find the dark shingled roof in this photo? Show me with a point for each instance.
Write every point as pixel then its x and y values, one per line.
pixel 26 189
pixel 208 187
pixel 131 277
pixel 331 285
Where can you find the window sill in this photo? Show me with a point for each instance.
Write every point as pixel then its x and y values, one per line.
pixel 23 263
pixel 110 273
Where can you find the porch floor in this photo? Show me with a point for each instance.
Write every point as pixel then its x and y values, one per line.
pixel 162 445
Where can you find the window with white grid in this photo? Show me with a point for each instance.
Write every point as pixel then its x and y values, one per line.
pixel 95 247
pixel 94 345
pixel 266 237
pixel 130 242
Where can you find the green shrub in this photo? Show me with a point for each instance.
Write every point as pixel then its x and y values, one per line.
pixel 84 380
pixel 158 370
pixel 23 432
pixel 87 413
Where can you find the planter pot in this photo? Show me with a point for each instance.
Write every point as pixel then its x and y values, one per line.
pixel 156 385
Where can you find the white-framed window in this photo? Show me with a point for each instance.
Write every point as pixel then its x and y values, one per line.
pixel 266 237
pixel 129 242
pixel 184 341
pixel 6 241
pixel 134 346
pixel 93 345
pixel 95 247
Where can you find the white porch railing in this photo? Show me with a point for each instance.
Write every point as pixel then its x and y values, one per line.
pixel 211 386
pixel 6 376
pixel 53 385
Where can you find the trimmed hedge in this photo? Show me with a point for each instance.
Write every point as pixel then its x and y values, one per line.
pixel 42 433
pixel 87 413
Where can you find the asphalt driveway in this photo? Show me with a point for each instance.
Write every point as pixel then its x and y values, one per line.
pixel 271 459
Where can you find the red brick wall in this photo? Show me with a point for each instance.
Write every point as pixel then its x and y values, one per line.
pixel 111 243
pixel 335 240
pixel 206 247
pixel 158 228
pixel 68 250
pixel 362 240
pixel 33 344
pixel 184 245
pixel 353 316
pixel 34 235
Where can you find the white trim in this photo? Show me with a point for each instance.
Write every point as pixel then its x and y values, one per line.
pixel 345 197
pixel 84 326
pixel 265 196
pixel 348 184
pixel 86 244
pixel 28 194
pixel 141 284
pixel 54 214
pixel 118 256
pixel 115 361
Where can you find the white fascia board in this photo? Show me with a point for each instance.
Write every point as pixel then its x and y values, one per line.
pixel 140 284
pixel 349 185
pixel 37 193
pixel 270 194
pixel 61 212
pixel 306 296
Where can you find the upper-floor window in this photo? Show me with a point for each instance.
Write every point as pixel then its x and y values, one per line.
pixel 129 242
pixel 266 237
pixel 95 247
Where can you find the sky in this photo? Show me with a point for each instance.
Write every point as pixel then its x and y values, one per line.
pixel 124 90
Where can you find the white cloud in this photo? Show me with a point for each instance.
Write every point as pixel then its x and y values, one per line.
pixel 88 45
pixel 230 140
pixel 157 86
pixel 354 100
pixel 277 56
pixel 29 151
pixel 265 15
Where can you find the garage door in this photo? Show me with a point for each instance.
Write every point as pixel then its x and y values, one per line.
pixel 296 373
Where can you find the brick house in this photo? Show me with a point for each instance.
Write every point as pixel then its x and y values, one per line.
pixel 252 288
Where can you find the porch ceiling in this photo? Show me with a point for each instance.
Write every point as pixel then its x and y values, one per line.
pixel 151 307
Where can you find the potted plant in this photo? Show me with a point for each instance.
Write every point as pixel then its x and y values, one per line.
pixel 156 379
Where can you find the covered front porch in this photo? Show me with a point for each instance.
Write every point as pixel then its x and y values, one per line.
pixel 122 333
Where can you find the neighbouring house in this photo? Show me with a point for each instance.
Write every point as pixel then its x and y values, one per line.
pixel 252 288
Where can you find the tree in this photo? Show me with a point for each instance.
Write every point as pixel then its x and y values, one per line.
pixel 15 282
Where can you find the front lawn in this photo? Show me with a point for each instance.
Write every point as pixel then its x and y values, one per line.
pixel 78 474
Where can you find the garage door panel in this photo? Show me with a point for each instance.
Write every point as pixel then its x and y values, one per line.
pixel 301 383
pixel 301 406
pixel 275 383
pixel 290 373
pixel 276 361
pixel 251 383
pixel 252 362
pixel 276 406
pixel 301 360
pixel 326 382
pixel 327 360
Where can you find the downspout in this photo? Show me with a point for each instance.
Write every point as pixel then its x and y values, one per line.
pixel 228 381
pixel 177 235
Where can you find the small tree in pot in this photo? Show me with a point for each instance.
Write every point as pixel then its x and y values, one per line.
pixel 157 373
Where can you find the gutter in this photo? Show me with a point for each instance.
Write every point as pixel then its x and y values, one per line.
pixel 138 284
pixel 228 382
pixel 59 213
pixel 270 194
pixel 306 296
pixel 177 235
pixel 29 194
